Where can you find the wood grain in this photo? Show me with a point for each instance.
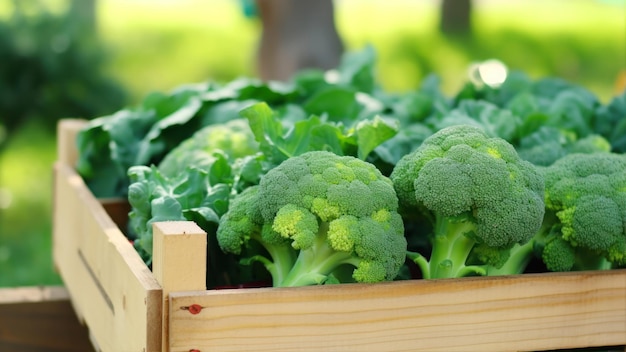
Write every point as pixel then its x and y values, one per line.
pixel 179 262
pixel 38 319
pixel 112 290
pixel 520 313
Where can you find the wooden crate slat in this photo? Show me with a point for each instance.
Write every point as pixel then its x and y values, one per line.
pixel 520 313
pixel 112 289
pixel 40 319
pixel 178 262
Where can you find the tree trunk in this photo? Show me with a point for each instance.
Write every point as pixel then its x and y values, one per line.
pixel 456 17
pixel 297 34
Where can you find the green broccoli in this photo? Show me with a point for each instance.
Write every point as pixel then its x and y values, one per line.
pixel 548 144
pixel 241 232
pixel 586 204
pixel 480 197
pixel 319 218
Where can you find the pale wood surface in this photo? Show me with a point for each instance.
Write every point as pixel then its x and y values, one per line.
pixel 521 313
pixel 112 290
pixel 179 261
pixel 67 130
pixel 11 295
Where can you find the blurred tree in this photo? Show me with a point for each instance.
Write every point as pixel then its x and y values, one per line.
pixel 84 11
pixel 299 34
pixel 456 17
pixel 51 68
pixel 296 35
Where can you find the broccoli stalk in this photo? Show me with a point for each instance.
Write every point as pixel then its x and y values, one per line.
pixel 520 255
pixel 451 246
pixel 282 259
pixel 315 215
pixel 315 265
pixel 482 197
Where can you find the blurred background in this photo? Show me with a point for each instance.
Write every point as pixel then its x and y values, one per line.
pixel 89 58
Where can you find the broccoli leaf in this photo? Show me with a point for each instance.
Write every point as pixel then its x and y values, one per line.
pixel 357 70
pixel 110 144
pixel 372 133
pixel 338 103
pixel 280 139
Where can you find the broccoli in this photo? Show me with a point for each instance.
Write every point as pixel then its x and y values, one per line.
pixel 585 203
pixel 548 144
pixel 479 196
pixel 242 223
pixel 609 122
pixel 319 218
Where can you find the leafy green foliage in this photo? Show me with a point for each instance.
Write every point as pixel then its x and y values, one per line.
pixel 111 144
pixel 51 68
pixel 610 122
pixel 306 114
pixel 548 144
pixel 281 142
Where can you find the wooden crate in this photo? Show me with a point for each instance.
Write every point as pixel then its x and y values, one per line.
pixel 40 319
pixel 128 307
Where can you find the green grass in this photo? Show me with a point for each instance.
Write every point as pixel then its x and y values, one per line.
pixel 25 222
pixel 159 45
pixel 156 46
pixel 585 43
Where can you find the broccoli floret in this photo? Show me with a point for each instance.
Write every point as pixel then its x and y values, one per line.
pixel 315 215
pixel 241 231
pixel 480 196
pixel 586 193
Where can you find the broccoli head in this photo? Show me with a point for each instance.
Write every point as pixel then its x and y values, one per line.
pixel 480 196
pixel 587 195
pixel 318 216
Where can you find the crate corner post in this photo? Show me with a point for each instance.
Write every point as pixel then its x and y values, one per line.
pixel 178 262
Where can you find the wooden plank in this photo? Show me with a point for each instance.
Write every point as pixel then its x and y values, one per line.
pixel 35 294
pixel 112 290
pixel 40 319
pixel 519 313
pixel 67 130
pixel 179 261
